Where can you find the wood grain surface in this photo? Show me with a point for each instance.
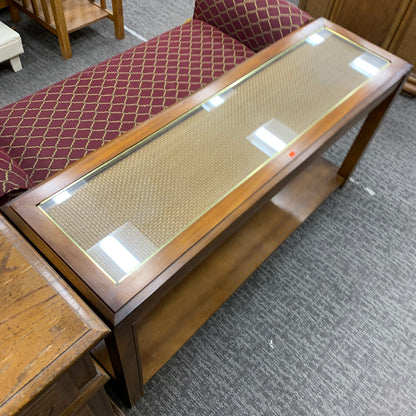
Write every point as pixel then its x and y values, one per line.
pixel 44 326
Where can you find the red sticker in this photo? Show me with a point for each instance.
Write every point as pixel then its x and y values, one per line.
pixel 292 154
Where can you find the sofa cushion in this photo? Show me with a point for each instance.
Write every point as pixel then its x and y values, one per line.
pixel 255 23
pixel 60 124
pixel 12 176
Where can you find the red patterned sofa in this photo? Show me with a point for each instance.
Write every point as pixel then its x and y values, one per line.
pixel 46 131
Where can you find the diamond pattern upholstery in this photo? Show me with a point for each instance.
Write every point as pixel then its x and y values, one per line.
pixel 255 23
pixel 12 177
pixel 50 129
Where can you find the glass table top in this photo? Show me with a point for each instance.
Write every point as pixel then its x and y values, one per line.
pixel 124 212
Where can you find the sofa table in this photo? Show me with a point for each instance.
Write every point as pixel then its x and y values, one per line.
pixel 46 333
pixel 159 227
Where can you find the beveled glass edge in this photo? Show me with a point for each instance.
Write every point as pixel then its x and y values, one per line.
pixel 190 112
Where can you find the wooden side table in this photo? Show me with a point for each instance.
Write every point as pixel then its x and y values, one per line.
pixel 46 332
pixel 64 17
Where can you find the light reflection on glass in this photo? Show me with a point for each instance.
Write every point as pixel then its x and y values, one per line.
pixel 366 64
pixel 61 197
pixel 272 137
pixel 121 251
pixel 118 253
pixel 317 38
pixel 213 103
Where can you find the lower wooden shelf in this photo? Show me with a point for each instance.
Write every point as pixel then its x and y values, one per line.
pixel 78 13
pixel 164 328
pixel 81 13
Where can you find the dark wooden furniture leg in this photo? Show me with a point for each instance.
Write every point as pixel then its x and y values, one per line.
pixel 14 12
pixel 121 345
pixel 364 136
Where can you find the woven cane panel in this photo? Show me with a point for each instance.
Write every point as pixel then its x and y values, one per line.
pixel 165 185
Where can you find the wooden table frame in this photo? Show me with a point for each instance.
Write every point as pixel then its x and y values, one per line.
pixel 152 318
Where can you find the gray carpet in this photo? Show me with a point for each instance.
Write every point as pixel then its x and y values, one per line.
pixel 327 325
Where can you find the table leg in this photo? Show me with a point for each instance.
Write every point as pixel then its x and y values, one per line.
pixel 61 28
pixel 118 18
pixel 14 11
pixel 364 136
pixel 123 352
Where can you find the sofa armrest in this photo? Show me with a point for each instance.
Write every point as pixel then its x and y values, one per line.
pixel 255 23
pixel 13 178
